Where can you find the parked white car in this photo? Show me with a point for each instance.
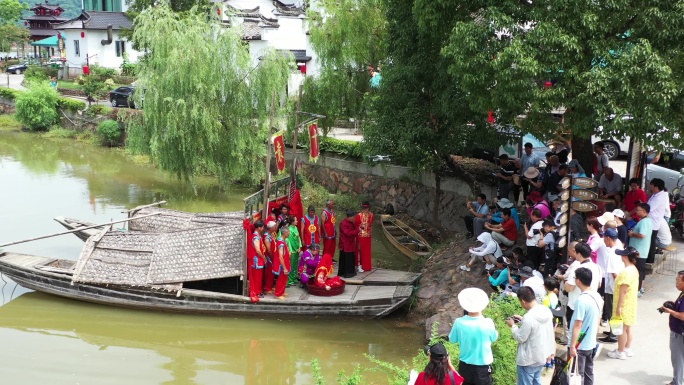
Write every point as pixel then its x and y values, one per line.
pixel 669 168
pixel 612 146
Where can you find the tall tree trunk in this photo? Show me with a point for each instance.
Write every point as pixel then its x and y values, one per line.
pixel 582 150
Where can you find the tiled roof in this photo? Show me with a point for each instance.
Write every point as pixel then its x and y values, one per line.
pixel 97 20
pixel 46 6
pixel 300 55
pixel 251 31
pixel 287 9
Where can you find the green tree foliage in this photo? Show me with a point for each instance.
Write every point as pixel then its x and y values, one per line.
pixel 421 114
pixel 98 83
pixel 205 106
pixel 10 32
pixel 349 36
pixel 109 132
pixel 619 57
pixel 37 107
pixel 11 11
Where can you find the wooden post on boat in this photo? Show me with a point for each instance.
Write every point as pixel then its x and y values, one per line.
pixel 295 137
pixel 267 184
pixel 78 229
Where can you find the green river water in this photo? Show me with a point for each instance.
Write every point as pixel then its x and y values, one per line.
pixel 49 340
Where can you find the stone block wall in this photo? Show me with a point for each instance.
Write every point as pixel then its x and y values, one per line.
pixel 389 184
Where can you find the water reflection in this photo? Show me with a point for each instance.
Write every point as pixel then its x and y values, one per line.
pixel 179 349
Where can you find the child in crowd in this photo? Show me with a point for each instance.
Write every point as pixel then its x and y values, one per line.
pixel 551 285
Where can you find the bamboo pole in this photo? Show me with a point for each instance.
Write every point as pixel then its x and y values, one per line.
pixel 267 184
pixel 75 230
pixel 145 206
pixel 296 136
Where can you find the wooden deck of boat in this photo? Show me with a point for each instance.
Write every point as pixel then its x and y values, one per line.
pixel 383 277
pixel 22 260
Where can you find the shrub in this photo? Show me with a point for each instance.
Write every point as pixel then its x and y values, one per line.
pixel 35 73
pixel 342 147
pixel 9 93
pixel 109 132
pixel 71 104
pixel 98 109
pixel 58 132
pixel 37 107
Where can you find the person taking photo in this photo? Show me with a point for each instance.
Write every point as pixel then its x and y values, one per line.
pixel 439 370
pixel 676 311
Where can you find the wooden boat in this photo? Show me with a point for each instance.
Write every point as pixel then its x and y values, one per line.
pixel 74 224
pixel 404 238
pixel 190 271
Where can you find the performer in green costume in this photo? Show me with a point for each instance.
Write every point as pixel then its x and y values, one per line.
pixel 294 244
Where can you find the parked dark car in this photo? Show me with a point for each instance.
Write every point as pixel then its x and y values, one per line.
pixel 122 97
pixel 17 68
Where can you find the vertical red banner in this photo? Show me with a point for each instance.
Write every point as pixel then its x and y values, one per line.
pixel 279 150
pixel 314 149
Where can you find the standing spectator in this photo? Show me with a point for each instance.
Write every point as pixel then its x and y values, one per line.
pixel 552 164
pixel 677 332
pixel 548 246
pixel 585 319
pixel 505 234
pixel 536 344
pixel 530 279
pixel 600 161
pixel 528 160
pixel 533 232
pixel 578 230
pixel 439 370
pixel 659 204
pixel 582 254
pixel 535 180
pixel 348 246
pixel 489 251
pixel 505 176
pixel 552 188
pixel 621 228
pixel 625 301
pixel 478 214
pixel 633 197
pixel 640 239
pixel 474 333
pixel 610 186
pixel 566 289
pixel 613 268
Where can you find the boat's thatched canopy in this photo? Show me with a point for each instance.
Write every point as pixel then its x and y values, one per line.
pixel 170 220
pixel 162 259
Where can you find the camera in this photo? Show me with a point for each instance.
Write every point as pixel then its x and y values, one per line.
pixel 668 304
pixel 563 268
pixel 516 320
pixel 535 231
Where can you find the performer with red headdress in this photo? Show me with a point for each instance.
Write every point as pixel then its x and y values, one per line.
pixel 281 263
pixel 311 228
pixel 270 237
pixel 257 262
pixel 364 223
pixel 329 231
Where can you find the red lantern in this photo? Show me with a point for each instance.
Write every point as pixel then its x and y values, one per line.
pixel 218 11
pixel 82 34
pixel 86 70
pixel 58 12
pixel 25 23
pixel 302 68
pixel 490 117
pixel 548 84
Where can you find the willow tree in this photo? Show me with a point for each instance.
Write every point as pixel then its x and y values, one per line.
pixel 348 36
pixel 205 106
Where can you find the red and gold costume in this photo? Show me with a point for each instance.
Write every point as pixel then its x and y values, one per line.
pixel 279 269
pixel 256 268
pixel 270 256
pixel 311 232
pixel 329 231
pixel 364 223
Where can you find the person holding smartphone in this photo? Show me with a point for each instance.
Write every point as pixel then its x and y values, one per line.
pixel 439 370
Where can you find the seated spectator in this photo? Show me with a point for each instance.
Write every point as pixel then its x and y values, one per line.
pixel 575 169
pixel 664 235
pixel 535 179
pixel 552 188
pixel 478 209
pixel 499 279
pixel 505 234
pixel 506 204
pixel 610 186
pixel 633 197
pixel 489 251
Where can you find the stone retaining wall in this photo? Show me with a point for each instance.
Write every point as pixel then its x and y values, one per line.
pixel 387 184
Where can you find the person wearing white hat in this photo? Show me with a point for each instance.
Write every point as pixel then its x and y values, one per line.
pixel 475 334
pixel 489 251
pixel 621 227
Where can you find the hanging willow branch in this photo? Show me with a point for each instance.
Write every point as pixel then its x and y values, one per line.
pixel 205 105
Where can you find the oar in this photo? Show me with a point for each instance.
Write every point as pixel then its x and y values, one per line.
pixel 145 206
pixel 78 229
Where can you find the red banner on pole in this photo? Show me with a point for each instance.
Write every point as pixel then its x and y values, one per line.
pixel 314 150
pixel 279 150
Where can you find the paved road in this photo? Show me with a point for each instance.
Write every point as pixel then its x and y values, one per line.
pixel 14 81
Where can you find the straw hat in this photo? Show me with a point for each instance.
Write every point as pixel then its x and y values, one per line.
pixel 473 300
pixel 531 173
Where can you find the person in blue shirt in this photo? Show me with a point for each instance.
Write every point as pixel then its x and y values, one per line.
pixel 504 203
pixel 584 325
pixel 500 278
pixel 474 333
pixel 478 215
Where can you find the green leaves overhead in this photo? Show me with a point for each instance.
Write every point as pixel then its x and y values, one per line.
pixel 205 106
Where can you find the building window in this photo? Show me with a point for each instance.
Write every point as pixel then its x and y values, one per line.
pixel 120 48
pixel 77 48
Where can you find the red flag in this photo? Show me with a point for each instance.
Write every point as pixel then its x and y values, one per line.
pixel 314 150
pixel 279 150
pixel 296 207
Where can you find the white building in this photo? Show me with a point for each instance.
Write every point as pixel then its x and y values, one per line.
pixel 274 24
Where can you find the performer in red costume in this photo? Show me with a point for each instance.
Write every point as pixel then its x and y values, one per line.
pixel 281 263
pixel 329 231
pixel 270 237
pixel 364 223
pixel 257 262
pixel 311 228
